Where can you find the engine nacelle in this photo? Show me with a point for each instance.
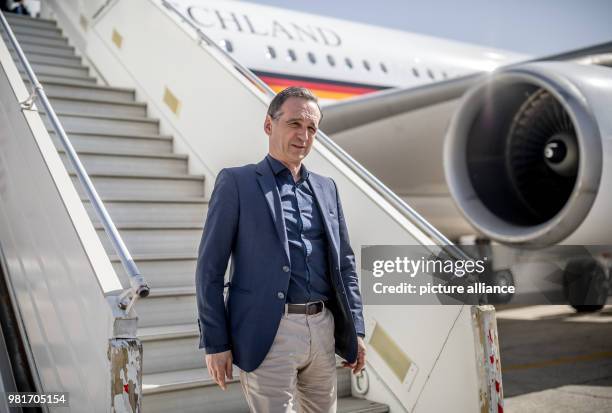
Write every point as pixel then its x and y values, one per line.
pixel 528 155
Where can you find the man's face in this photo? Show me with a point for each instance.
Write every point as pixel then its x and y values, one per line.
pixel 292 132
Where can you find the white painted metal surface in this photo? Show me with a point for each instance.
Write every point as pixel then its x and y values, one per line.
pixel 58 270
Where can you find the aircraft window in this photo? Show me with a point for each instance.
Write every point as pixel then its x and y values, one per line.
pixel 415 72
pixel 348 62
pixel 312 58
pixel 383 67
pixel 291 55
pixel 366 65
pixel 331 60
pixel 430 74
pixel 271 53
pixel 227 45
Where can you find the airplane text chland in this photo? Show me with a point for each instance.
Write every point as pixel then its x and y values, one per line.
pixel 209 18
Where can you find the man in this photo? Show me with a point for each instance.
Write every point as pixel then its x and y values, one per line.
pixel 293 298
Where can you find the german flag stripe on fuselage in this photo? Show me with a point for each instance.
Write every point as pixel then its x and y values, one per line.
pixel 322 88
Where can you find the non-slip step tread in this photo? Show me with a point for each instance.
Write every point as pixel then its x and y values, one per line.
pixel 96 100
pixel 157 257
pixel 168 332
pixel 177 177
pixel 30 54
pixel 33 39
pixel 38 53
pixel 68 83
pixel 351 404
pixel 152 226
pixel 28 24
pixel 45 45
pixel 154 383
pixel 21 30
pixel 153 199
pixel 173 156
pixel 43 72
pixel 179 380
pixel 74 81
pixel 171 292
pixel 117 135
pixel 79 66
pixel 106 117
pixel 38 31
pixel 18 17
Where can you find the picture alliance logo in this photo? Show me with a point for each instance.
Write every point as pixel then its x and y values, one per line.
pixel 412 267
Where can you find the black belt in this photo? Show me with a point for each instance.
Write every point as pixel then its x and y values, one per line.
pixel 308 308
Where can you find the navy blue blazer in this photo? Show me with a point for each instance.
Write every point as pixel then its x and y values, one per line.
pixel 245 220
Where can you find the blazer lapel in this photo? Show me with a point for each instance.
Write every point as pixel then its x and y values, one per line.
pixel 267 183
pixel 322 197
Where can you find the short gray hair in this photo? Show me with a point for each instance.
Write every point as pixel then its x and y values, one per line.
pixel 291 92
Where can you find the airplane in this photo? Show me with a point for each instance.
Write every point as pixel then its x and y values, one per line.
pixel 486 144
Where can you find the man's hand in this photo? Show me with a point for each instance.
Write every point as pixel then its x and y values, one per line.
pixel 359 364
pixel 219 366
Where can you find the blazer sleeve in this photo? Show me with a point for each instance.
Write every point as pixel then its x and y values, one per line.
pixel 213 255
pixel 348 271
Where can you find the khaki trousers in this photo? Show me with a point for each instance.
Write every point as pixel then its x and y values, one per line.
pixel 299 371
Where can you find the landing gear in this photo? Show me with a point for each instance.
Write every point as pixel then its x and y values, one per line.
pixel 586 284
pixel 502 278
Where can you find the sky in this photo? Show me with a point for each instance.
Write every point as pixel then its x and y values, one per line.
pixel 534 27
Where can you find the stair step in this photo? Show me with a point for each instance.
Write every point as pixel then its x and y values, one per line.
pixel 75 89
pixel 104 124
pixel 155 237
pixel 154 144
pixel 34 24
pixel 351 404
pixel 171 347
pixel 168 332
pixel 45 58
pixel 189 391
pixel 78 72
pixel 66 51
pixel 185 390
pixel 167 306
pixel 100 162
pixel 110 185
pixel 175 347
pixel 19 19
pixel 39 31
pixel 46 77
pixel 161 270
pixel 144 209
pixel 46 41
pixel 100 107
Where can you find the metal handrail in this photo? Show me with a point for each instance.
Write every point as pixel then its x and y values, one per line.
pixel 390 196
pixel 138 285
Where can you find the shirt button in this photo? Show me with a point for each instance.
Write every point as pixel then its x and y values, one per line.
pixel 286 268
pixel 281 295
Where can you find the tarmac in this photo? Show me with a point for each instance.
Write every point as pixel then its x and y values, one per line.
pixel 556 360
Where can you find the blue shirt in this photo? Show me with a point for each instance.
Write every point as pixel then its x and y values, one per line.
pixel 306 236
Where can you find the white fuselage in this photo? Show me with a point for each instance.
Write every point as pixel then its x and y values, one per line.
pixel 336 58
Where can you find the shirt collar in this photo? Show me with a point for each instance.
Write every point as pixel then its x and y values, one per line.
pixel 278 167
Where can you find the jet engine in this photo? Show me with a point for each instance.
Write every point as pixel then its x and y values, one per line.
pixel 528 155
